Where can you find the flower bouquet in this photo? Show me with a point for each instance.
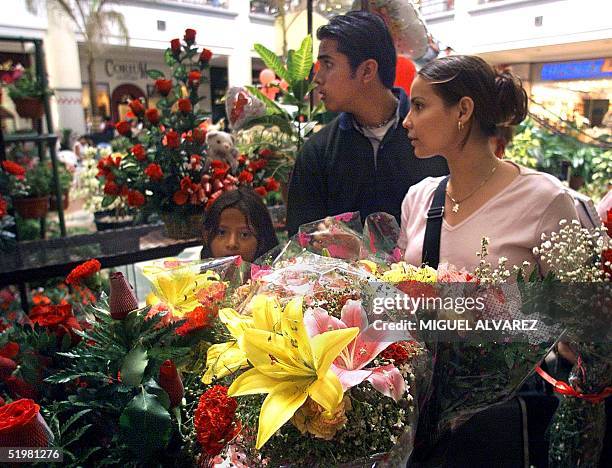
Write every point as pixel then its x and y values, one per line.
pixel 339 389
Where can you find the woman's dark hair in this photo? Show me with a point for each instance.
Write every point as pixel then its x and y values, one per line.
pixel 362 36
pixel 499 98
pixel 250 205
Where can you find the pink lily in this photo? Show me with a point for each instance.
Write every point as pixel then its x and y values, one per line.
pixel 350 365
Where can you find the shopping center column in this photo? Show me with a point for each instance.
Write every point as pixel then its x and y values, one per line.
pixel 64 71
pixel 239 62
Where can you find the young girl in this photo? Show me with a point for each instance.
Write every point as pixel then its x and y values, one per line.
pixel 238 223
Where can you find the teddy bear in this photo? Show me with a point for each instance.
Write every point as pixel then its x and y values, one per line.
pixel 221 147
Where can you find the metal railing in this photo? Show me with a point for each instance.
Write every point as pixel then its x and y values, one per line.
pixel 211 3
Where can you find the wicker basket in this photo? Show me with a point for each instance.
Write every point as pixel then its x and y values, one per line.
pixel 31 208
pixel 29 108
pixel 188 227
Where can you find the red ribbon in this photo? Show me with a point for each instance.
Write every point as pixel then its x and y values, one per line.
pixel 565 389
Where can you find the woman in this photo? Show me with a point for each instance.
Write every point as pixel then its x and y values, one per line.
pixel 458 102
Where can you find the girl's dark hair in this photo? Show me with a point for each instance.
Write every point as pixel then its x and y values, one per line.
pixel 250 205
pixel 499 98
pixel 362 36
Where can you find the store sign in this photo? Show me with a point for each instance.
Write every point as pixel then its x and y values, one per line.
pixel 582 69
pixel 124 70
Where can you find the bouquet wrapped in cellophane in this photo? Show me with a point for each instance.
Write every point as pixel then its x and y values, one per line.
pixel 317 378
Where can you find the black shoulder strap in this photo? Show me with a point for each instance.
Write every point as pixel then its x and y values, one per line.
pixel 431 242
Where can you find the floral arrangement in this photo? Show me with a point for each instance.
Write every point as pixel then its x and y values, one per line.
pixel 9 72
pixel 166 168
pixel 33 182
pixel 27 86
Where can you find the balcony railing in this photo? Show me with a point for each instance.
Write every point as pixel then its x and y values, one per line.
pixel 431 7
pixel 211 3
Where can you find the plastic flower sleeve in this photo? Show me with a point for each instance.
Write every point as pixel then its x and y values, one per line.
pixel 241 106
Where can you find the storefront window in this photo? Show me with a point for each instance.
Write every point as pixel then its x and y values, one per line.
pixel 102 100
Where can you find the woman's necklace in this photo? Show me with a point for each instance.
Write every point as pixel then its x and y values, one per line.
pixel 456 203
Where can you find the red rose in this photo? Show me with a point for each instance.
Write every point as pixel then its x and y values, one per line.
pixel 199 135
pixel 261 191
pixel 245 177
pixel 163 86
pixel 123 128
pixel 257 165
pixel 152 115
pixel 3 207
pixel 7 366
pixel 21 425
pixel 19 388
pixel 135 198
pixel 170 381
pixel 50 316
pixel 173 139
pixel 175 45
pixel 186 183
pixel 83 271
pixel 272 184
pixel 139 152
pixel 184 105
pixel 111 188
pixel 194 78
pixel 154 171
pixel 266 152
pixel 180 197
pixel 190 35
pixel 13 168
pixel 205 56
pixel 606 261
pixel 10 350
pixel 136 106
pixel 215 420
pixel 400 352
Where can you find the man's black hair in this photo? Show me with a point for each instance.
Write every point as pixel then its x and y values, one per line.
pixel 361 36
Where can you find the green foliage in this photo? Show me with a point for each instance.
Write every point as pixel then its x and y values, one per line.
pixel 28 86
pixel 38 180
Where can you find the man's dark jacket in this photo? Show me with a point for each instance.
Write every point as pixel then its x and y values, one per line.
pixel 335 172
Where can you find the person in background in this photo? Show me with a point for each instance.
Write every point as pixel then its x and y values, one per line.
pixel 362 160
pixel 238 223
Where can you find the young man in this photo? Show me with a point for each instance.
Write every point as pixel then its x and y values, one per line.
pixel 362 160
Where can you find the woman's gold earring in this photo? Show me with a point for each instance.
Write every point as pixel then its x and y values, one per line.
pixel 459 125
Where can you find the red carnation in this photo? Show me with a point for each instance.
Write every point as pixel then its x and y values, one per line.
pixel 123 127
pixel 136 106
pixel 163 86
pixel 139 152
pixel 175 45
pixel 170 381
pixel 83 271
pixel 19 388
pixel 13 168
pixel 199 135
pixel 261 191
pixel 272 184
pixel 152 115
pixel 111 188
pixel 215 420
pixel 56 318
pixel 194 78
pixel 245 177
pixel 184 105
pixel 205 56
pixel 197 319
pixel 173 139
pixel 135 198
pixel 400 352
pixel 257 165
pixel 22 425
pixel 154 171
pixel 190 35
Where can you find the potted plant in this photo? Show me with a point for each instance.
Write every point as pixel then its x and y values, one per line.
pixel 65 180
pixel 28 93
pixel 29 189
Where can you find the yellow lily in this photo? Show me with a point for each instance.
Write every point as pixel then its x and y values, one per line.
pixel 290 366
pixel 178 287
pixel 225 358
pixel 403 271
